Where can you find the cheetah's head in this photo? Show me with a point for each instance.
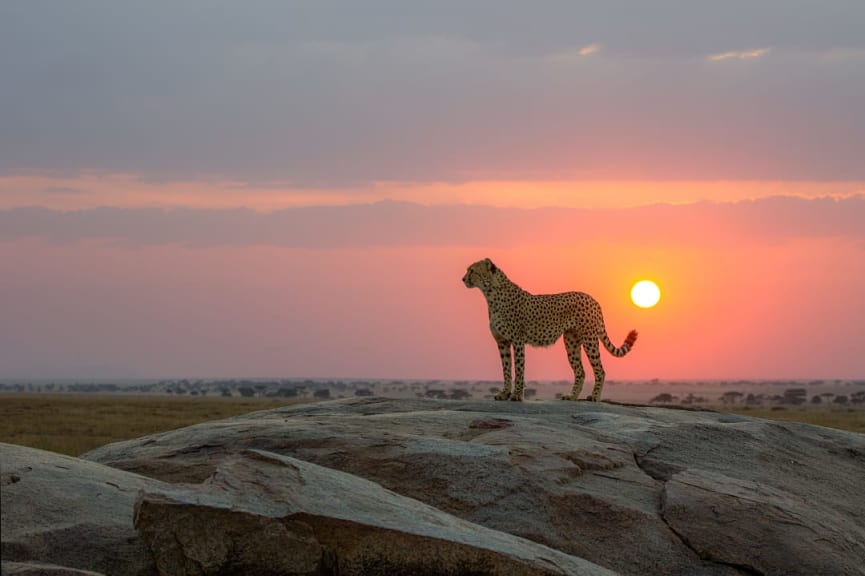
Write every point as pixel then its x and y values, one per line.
pixel 482 274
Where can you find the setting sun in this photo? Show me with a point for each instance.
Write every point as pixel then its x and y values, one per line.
pixel 645 294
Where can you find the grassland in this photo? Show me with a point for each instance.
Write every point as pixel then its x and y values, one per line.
pixel 850 419
pixel 75 423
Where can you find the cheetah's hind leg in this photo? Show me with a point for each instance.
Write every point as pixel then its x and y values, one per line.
pixel 594 355
pixel 572 345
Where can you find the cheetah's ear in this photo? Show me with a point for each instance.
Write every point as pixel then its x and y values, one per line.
pixel 490 266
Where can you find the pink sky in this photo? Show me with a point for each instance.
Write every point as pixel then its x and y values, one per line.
pixel 764 288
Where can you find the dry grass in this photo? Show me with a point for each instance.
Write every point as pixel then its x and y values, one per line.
pixel 850 419
pixel 73 424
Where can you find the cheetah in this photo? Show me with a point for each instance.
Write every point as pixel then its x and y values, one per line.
pixel 518 318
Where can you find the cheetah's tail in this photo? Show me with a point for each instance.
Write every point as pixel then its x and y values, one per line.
pixel 624 349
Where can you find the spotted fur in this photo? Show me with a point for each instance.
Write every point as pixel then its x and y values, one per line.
pixel 518 318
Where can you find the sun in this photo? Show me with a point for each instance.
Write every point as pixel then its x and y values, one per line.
pixel 645 294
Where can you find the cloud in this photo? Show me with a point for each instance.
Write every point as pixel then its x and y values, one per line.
pixel 432 92
pixel 740 55
pixel 590 49
pixel 62 190
pixel 401 224
pixel 570 56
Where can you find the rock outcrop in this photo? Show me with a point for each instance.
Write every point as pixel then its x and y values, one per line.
pixel 62 516
pixel 639 490
pixel 375 486
pixel 265 514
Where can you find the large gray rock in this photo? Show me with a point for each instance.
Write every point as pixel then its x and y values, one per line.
pixel 61 515
pixel 636 489
pixel 260 513
pixel 266 514
pixel 42 569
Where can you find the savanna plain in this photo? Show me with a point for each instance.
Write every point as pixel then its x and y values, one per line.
pixel 75 422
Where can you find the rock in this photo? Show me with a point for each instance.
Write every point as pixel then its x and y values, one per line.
pixel 40 569
pixel 639 490
pixel 797 511
pixel 197 533
pixel 267 514
pixel 63 515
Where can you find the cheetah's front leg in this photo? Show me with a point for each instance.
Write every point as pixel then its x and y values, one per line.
pixel 519 372
pixel 505 353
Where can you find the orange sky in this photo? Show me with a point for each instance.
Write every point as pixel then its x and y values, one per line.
pixel 88 189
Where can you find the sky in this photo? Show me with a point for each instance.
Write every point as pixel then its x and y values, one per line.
pixel 294 189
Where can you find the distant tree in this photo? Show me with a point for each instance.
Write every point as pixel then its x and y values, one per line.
pixel 246 391
pixel 816 400
pixel 662 398
pixel 795 396
pixel 858 397
pixel 322 393
pixel 226 392
pixel 841 399
pixel 363 392
pixel 731 397
pixel 531 392
pixel 460 394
